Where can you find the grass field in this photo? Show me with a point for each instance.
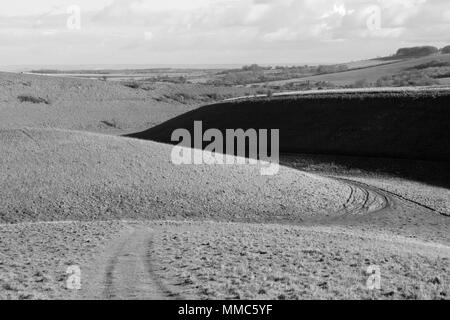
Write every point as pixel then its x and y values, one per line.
pixel 237 261
pixel 370 74
pixel 54 175
pixel 98 106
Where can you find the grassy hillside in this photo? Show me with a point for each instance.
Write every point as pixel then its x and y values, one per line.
pixel 91 105
pixel 62 175
pixel 409 124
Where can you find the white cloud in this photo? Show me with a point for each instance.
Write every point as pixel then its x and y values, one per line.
pixel 245 28
pixel 148 35
pixel 257 12
pixel 283 34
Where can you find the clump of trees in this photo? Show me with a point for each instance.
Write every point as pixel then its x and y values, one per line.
pixel 416 51
pixel 445 50
pixel 325 69
pixel 255 68
pixel 406 79
pixel 431 64
pixel 254 73
pixel 362 83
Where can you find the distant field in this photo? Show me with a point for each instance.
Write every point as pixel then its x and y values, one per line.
pixel 368 63
pixel 193 75
pixel 399 124
pixel 371 74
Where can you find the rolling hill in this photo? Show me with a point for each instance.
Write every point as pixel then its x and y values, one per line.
pixel 54 175
pixel 97 106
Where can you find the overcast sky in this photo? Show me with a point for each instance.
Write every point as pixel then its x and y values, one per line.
pixel 215 31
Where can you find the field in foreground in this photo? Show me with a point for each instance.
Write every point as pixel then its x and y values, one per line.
pixel 34 257
pixel 211 260
pixel 238 261
pixel 322 259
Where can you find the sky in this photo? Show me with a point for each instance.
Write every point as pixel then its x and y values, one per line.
pixel 77 32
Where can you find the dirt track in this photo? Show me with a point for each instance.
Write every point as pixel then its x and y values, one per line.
pixel 125 270
pixel 129 262
pixel 203 259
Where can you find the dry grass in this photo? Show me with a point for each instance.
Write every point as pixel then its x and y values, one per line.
pixel 82 104
pixel 371 74
pixel 57 175
pixel 212 260
pixel 34 257
pixel 239 261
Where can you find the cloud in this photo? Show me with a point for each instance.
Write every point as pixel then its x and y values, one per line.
pixel 148 35
pixel 243 27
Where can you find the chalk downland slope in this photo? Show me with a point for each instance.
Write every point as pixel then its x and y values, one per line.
pixel 410 124
pixel 60 175
pixel 97 106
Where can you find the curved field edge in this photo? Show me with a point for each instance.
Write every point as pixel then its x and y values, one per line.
pixel 422 182
pixel 53 175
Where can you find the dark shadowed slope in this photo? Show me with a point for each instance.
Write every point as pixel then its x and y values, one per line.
pixel 410 125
